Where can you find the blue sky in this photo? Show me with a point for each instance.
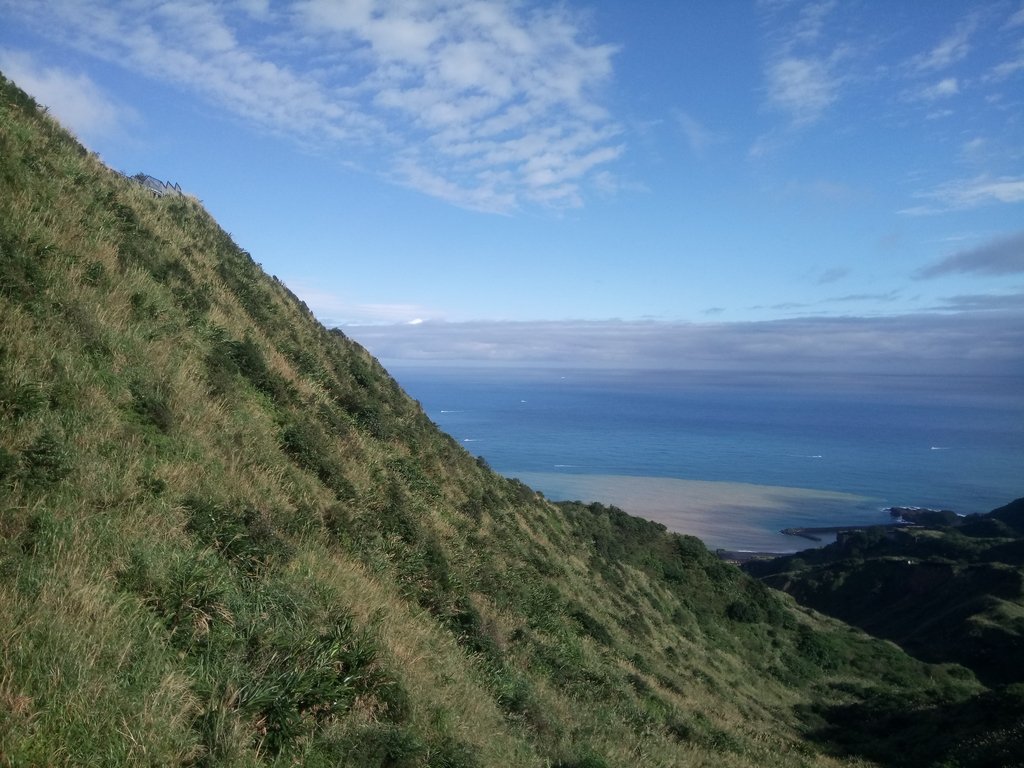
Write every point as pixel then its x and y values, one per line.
pixel 602 183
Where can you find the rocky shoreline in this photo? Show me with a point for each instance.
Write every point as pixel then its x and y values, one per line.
pixel 923 516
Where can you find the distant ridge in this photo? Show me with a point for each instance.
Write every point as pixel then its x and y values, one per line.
pixel 1012 515
pixel 946 588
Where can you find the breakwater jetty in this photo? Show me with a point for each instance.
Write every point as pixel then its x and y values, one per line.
pixel 901 517
pixel 815 534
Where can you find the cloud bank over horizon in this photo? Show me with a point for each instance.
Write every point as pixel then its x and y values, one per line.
pixel 957 343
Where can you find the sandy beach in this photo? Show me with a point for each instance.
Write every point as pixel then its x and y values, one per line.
pixel 735 516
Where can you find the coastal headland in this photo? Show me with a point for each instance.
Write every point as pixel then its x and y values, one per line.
pixel 901 516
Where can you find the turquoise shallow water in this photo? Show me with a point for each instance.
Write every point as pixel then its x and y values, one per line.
pixel 760 452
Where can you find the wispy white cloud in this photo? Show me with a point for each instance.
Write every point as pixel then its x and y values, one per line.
pixel 826 306
pixel 887 296
pixel 489 104
pixel 974 149
pixel 803 71
pixel 1001 256
pixel 73 98
pixel 962 194
pixel 810 22
pixel 1016 19
pixel 803 87
pixel 948 51
pixel 948 86
pixel 766 144
pixel 832 275
pixel 193 46
pixel 258 9
pixel 1009 67
pixel 1006 69
pixel 698 137
pixel 825 189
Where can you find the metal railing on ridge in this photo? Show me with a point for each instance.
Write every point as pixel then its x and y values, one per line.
pixel 157 187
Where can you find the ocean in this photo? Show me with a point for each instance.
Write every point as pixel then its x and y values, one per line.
pixel 734 457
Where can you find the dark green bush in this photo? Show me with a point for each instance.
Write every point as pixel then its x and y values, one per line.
pixel 679 730
pixel 636 624
pixel 252 365
pixel 306 443
pixel 93 334
pixel 638 684
pixel 464 621
pixel 19 399
pixel 95 274
pixel 151 402
pixel 243 536
pixel 382 745
pixel 8 465
pixel 590 625
pixel 817 648
pixel 47 459
pixel 449 752
pixel 587 761
pixel 240 274
pixel 743 612
pixel 22 272
pixel 192 598
pixel 514 693
pixel 293 686
pixel 227 359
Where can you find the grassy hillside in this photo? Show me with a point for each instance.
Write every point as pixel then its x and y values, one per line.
pixel 944 593
pixel 948 593
pixel 228 538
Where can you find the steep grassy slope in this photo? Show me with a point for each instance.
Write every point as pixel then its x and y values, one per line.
pixel 228 538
